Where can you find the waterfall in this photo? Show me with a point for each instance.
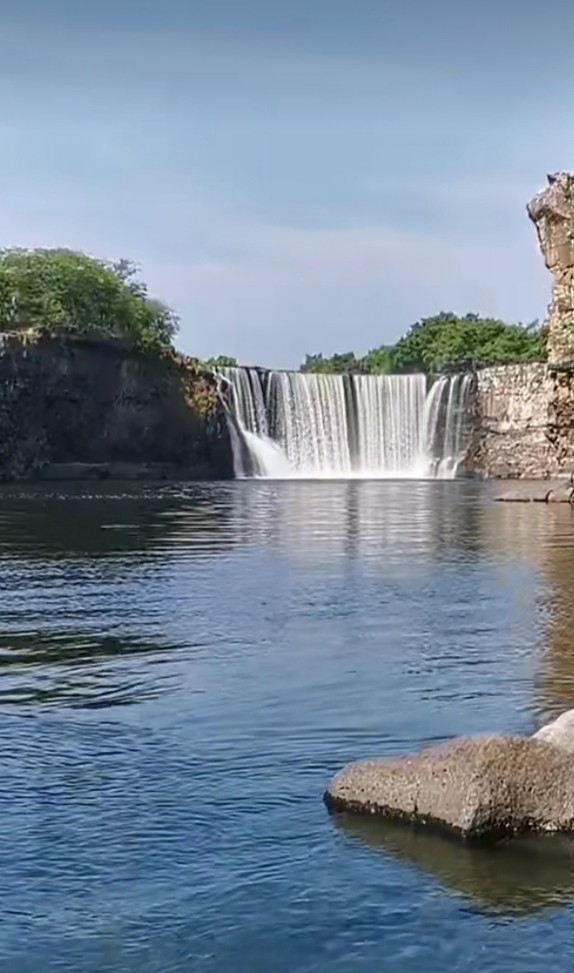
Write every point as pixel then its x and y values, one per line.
pixel 291 424
pixel 446 431
pixel 309 420
pixel 254 452
pixel 389 411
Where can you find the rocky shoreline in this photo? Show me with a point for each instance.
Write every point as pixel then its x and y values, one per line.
pixel 560 493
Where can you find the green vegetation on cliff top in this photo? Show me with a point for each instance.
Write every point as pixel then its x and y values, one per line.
pixel 65 292
pixel 441 343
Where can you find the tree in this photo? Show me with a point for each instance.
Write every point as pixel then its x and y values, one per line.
pixel 447 341
pixel 66 292
pixel 346 362
pixel 443 342
pixel 222 361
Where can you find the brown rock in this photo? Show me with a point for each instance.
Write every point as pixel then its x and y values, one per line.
pixel 475 787
pixel 559 733
pixel 563 494
pixel 552 212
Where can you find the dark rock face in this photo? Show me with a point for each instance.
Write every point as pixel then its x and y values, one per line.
pixel 104 411
pixel 475 787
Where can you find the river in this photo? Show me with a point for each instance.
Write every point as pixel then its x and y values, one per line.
pixel 183 668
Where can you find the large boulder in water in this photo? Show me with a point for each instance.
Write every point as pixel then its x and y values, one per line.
pixel 559 733
pixel 475 787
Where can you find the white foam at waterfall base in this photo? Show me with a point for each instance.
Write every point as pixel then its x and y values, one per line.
pixel 269 460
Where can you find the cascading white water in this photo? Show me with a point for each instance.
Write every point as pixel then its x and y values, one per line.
pixel 292 424
pixel 310 422
pixel 248 400
pixel 445 424
pixel 266 458
pixel 389 412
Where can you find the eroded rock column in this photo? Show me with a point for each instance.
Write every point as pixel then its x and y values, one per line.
pixel 552 212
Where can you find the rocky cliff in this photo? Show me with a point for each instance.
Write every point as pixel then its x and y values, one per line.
pixel 552 212
pixel 74 408
pixel 524 414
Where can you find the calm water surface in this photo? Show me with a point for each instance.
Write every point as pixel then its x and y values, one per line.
pixel 182 669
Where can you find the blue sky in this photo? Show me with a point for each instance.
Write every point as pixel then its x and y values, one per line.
pixel 291 177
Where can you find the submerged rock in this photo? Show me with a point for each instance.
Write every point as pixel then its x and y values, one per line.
pixel 474 787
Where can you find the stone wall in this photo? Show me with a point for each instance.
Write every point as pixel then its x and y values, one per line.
pixel 75 408
pixel 511 422
pixel 524 414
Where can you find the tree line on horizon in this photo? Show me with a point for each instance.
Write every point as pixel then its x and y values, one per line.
pixel 444 342
pixel 441 343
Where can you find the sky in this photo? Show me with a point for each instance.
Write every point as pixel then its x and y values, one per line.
pixel 296 176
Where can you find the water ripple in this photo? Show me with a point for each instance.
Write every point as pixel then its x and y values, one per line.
pixel 182 669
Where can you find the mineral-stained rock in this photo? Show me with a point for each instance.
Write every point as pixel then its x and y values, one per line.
pixel 559 733
pixel 475 787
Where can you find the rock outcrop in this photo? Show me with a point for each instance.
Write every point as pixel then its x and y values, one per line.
pixel 524 414
pixel 559 733
pixel 90 409
pixel 552 212
pixel 477 787
pixel 557 494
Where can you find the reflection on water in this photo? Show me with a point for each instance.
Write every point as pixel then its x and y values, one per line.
pixel 75 669
pixel 521 876
pixel 182 670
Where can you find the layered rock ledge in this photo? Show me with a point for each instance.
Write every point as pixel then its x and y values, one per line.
pixel 475 787
pixel 557 494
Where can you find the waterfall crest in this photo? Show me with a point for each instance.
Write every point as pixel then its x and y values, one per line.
pixel 292 424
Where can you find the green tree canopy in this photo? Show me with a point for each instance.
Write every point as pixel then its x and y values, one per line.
pixel 446 341
pixel 345 362
pixel 65 292
pixel 443 342
pixel 222 361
